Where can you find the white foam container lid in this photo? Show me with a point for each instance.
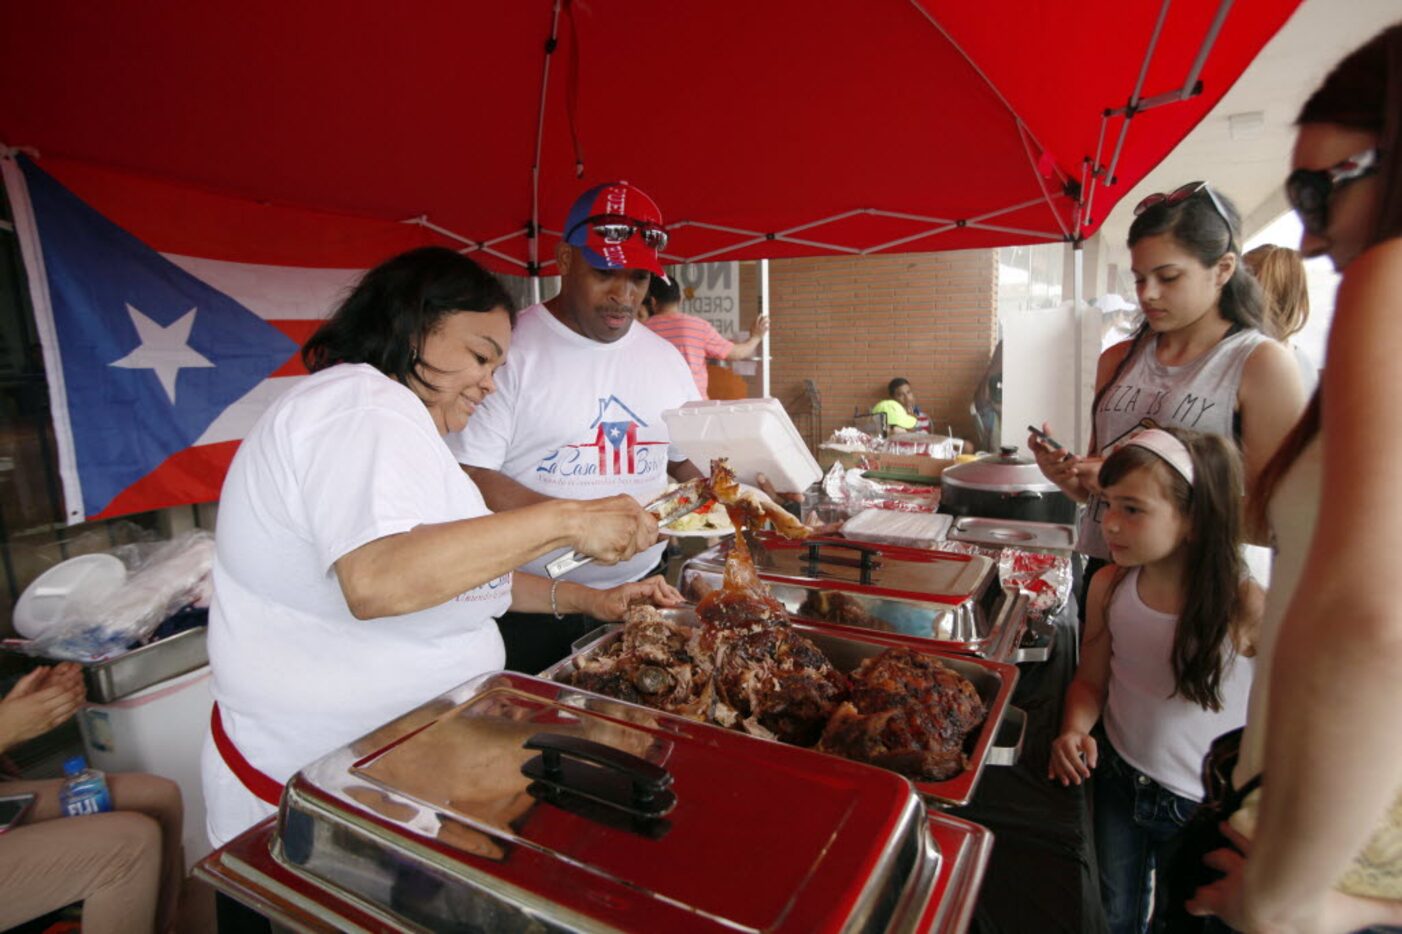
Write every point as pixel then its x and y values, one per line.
pixel 756 435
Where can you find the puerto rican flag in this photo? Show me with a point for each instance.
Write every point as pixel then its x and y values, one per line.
pixel 158 363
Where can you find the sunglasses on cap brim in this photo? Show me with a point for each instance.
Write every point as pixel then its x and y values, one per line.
pixel 1309 190
pixel 1183 193
pixel 616 228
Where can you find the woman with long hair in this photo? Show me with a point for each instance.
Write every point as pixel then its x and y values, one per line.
pixel 1318 846
pixel 1200 361
pixel 1281 272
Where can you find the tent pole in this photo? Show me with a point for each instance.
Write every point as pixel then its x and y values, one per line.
pixel 764 341
pixel 533 243
pixel 1077 309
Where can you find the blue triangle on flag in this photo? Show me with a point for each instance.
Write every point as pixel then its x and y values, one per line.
pixel 102 282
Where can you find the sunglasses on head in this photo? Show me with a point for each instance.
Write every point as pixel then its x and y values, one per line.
pixel 1183 193
pixel 616 228
pixel 1309 190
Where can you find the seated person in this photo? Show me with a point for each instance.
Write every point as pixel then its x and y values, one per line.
pixel 694 337
pixel 902 414
pixel 123 865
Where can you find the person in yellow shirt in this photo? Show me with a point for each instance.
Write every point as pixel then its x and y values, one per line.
pixel 902 414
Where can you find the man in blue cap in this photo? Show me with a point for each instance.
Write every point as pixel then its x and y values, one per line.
pixel 577 413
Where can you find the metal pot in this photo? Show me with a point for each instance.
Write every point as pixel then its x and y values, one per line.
pixel 1004 486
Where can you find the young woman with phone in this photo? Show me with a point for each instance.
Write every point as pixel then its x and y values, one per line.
pixel 1199 361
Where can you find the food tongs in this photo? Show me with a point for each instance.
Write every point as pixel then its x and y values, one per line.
pixel 668 508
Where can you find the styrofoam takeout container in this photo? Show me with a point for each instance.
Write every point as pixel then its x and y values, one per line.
pixel 756 435
pixel 88 578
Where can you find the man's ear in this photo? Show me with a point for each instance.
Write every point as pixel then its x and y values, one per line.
pixel 564 257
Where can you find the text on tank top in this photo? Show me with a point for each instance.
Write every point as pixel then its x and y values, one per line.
pixel 1200 395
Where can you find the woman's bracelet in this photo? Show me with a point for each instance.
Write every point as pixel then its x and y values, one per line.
pixel 555 607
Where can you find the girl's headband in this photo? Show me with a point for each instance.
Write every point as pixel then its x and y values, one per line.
pixel 1167 447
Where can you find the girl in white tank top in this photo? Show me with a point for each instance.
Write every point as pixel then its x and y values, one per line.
pixel 1164 666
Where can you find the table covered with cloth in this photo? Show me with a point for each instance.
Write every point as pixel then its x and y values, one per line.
pixel 1042 875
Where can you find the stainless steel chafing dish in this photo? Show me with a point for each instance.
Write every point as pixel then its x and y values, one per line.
pixel 516 804
pixel 944 601
pixel 997 742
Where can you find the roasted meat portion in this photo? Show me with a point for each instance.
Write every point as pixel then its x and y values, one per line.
pixel 774 682
pixel 654 662
pixel 834 606
pixel 743 602
pixel 909 713
pixel 750 509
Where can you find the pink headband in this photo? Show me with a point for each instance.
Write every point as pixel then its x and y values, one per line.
pixel 1167 447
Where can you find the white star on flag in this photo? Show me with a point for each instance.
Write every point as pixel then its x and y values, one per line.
pixel 163 349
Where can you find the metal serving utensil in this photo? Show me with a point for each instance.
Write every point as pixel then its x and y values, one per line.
pixel 668 508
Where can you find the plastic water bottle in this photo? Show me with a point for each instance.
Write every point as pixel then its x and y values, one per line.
pixel 85 791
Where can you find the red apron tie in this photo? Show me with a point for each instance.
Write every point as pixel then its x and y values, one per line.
pixel 258 783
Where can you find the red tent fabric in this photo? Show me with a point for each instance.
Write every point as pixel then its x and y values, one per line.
pixel 309 132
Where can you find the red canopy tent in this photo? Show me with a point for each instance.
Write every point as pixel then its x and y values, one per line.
pixel 325 134
pixel 328 132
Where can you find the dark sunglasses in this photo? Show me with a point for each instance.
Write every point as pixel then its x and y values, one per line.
pixel 616 228
pixel 1309 190
pixel 1183 193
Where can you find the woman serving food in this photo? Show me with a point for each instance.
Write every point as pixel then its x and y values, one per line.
pixel 357 570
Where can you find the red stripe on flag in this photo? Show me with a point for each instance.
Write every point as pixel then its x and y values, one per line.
pixel 299 331
pixel 194 475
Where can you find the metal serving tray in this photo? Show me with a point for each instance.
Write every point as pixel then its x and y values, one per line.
pixel 944 601
pixel 845 648
pixel 248 871
pixel 1002 533
pixel 114 678
pixel 444 820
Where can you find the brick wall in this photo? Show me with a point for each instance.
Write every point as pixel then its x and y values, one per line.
pixel 853 323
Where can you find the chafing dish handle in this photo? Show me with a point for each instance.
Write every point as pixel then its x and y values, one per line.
pixel 868 560
pixel 1006 748
pixel 620 779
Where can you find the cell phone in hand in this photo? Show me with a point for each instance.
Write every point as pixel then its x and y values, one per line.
pixel 13 808
pixel 1045 438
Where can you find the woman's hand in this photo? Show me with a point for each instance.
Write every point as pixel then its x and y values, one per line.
pixel 40 701
pixel 1073 757
pixel 610 605
pixel 613 529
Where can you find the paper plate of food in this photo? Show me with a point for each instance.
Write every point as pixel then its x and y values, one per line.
pixel 710 521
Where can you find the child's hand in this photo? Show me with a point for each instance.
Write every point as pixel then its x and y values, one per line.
pixel 1073 756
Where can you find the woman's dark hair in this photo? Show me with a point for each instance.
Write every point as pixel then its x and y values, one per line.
pixel 895 384
pixel 1198 227
pixel 384 321
pixel 1212 572
pixel 662 292
pixel 1363 92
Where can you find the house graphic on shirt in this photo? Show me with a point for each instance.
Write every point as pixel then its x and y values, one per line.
pixel 615 438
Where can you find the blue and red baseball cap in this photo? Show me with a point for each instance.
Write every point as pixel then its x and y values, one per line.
pixel 617 226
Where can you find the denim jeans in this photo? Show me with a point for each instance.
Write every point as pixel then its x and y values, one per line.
pixel 1138 828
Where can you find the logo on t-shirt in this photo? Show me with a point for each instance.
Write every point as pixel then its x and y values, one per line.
pixel 491 590
pixel 616 445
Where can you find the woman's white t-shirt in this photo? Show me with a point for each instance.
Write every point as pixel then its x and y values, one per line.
pixel 346 457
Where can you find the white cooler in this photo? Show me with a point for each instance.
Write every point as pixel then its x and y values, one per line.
pixel 159 729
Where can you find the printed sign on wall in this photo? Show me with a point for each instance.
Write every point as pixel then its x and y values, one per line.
pixel 711 291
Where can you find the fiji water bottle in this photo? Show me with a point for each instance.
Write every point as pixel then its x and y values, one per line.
pixel 85 791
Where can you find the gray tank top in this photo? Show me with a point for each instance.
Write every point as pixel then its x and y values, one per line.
pixel 1201 396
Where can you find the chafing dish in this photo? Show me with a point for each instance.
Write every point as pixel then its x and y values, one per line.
pixel 516 804
pixel 947 602
pixel 994 743
pixel 1039 536
pixel 122 675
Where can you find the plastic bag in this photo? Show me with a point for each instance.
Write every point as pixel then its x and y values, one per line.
pixel 162 578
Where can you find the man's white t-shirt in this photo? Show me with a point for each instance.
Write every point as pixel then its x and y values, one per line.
pixel 574 418
pixel 345 457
